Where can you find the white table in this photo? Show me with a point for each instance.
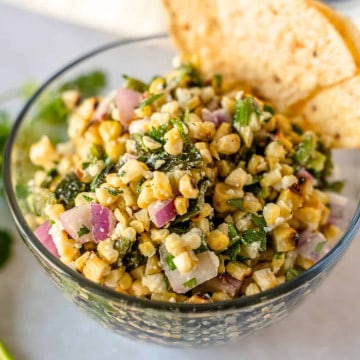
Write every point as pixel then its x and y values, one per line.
pixel 38 323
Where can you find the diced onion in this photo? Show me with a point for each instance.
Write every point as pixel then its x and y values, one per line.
pixel 312 245
pixel 162 212
pixel 42 233
pixel 127 100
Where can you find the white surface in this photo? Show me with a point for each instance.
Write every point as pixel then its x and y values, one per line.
pixel 38 323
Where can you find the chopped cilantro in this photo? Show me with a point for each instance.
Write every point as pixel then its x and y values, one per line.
pixel 85 165
pixel 113 191
pixel 218 80
pixel 319 247
pixel 88 198
pixel 169 261
pixel 292 273
pixel 237 203
pixel 190 283
pixel 297 129
pixel 157 133
pixel 191 74
pixel 180 126
pixel 151 99
pixel 269 109
pixel 83 231
pixel 304 150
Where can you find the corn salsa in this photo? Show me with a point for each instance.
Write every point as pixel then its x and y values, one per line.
pixel 183 189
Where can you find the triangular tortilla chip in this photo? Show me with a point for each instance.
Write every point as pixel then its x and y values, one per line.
pixel 335 113
pixel 285 50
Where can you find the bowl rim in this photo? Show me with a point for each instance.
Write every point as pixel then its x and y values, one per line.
pixel 34 244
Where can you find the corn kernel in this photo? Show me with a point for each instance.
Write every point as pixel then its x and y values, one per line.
pixel 161 186
pixel 187 188
pixel 284 238
pixel 155 283
pixel 252 289
pixel 159 235
pixel 309 216
pixel 110 130
pixel 125 281
pixel 217 240
pixel 271 213
pixel 181 205
pixel 192 239
pixel 152 265
pixel 138 226
pixel 228 144
pixel 147 249
pixel 95 268
pixel 220 296
pixel 222 194
pixel 81 260
pixel 138 289
pixel 238 270
pixel 174 244
pixel 107 252
pixel 237 178
pixel 265 279
pixel 184 262
pixel 138 273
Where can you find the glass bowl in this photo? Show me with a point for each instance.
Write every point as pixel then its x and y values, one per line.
pixel 159 322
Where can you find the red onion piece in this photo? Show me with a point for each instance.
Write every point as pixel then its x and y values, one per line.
pixel 303 173
pixel 337 209
pixel 206 269
pixel 127 100
pixel 75 219
pixel 312 245
pixel 127 156
pixel 42 233
pixel 217 117
pixel 102 220
pixel 223 283
pixel 161 212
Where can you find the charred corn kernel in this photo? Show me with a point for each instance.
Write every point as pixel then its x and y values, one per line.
pixel 42 153
pixel 288 181
pixel 92 134
pixel 238 178
pixel 95 268
pixel 184 262
pixel 265 279
pixel 222 194
pixel 174 244
pixel 256 164
pixel 197 299
pixel 284 238
pixel 77 126
pixel 181 205
pixel 217 240
pixel 87 108
pixel 192 239
pixel 211 173
pixel 159 235
pixel 309 216
pixel 252 289
pixel 238 270
pixel 152 265
pixel 146 197
pixel 129 233
pixel 132 170
pixel 112 278
pixel 220 296
pixel 138 289
pixel 275 149
pixel 228 144
pixel 156 283
pixel 81 260
pixel 277 262
pixel 271 178
pixel 304 263
pixel 161 186
pixel 138 272
pixel 225 167
pixel 147 249
pixel 187 188
pixel 67 249
pixel 157 85
pixel 171 108
pixel 104 197
pixel 251 203
pixel 52 211
pixel 137 225
pixel 290 198
pixel 110 130
pixel 151 143
pixel 206 155
pixel 107 252
pixel 114 149
pixel 271 213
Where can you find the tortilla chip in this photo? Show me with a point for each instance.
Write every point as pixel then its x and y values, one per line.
pixel 347 29
pixel 335 113
pixel 285 50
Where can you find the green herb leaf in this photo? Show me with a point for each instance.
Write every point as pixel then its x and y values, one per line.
pixel 151 99
pixel 319 247
pixel 191 74
pixel 157 133
pixel 180 126
pixel 134 84
pixel 88 198
pixel 169 261
pixel 237 203
pixel 190 283
pixel 336 186
pixel 218 80
pixel 6 242
pixel 113 191
pixel 252 235
pixel 258 221
pixel 83 231
pixel 304 150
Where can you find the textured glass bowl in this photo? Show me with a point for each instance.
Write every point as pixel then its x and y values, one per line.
pixel 163 323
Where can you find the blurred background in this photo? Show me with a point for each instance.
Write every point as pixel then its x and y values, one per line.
pixel 37 38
